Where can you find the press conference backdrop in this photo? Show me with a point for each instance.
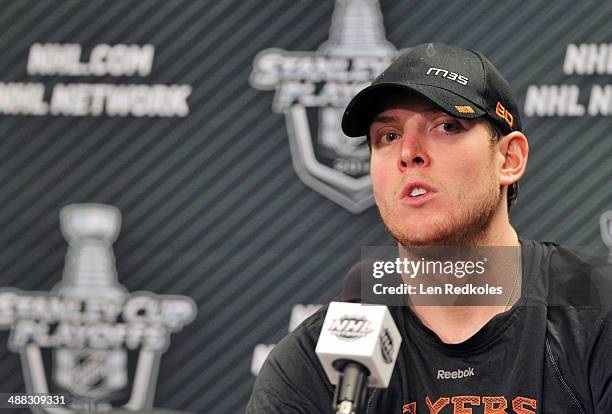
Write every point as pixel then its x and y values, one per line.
pixel 212 127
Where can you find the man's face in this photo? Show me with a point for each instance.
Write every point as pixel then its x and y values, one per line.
pixel 435 177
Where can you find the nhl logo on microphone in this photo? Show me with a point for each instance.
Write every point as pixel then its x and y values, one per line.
pixel 350 327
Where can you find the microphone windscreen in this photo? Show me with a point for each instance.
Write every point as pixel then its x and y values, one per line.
pixel 351 285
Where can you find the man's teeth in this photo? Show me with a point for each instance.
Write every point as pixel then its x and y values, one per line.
pixel 417 191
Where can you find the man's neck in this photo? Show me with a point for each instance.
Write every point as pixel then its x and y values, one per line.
pixel 456 324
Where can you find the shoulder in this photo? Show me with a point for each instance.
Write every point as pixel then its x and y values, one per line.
pixel 296 351
pixel 292 380
pixel 576 287
pixel 579 317
pixel 571 277
pixel 575 284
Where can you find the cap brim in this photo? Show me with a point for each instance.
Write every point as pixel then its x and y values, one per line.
pixel 361 110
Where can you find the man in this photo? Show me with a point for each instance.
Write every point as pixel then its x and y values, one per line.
pixel 446 153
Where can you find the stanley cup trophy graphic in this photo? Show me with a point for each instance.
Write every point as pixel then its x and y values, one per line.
pixel 90 274
pixel 356 31
pixel 90 322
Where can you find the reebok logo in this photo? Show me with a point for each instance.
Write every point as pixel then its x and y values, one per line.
pixel 444 375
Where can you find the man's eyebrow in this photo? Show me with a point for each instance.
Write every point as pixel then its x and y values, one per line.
pixel 385 119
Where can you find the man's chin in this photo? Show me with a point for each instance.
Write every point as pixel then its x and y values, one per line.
pixel 438 240
pixel 439 235
pixel 418 236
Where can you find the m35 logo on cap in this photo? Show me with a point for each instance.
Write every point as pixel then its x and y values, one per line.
pixel 448 75
pixel 504 114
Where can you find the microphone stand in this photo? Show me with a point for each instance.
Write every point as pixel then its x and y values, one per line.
pixel 349 396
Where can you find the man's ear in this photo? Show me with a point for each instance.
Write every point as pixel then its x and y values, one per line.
pixel 514 151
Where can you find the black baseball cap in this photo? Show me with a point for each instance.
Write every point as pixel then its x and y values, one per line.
pixel 462 82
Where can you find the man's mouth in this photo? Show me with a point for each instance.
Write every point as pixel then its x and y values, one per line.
pixel 416 190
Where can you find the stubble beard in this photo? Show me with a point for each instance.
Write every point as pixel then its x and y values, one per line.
pixel 468 229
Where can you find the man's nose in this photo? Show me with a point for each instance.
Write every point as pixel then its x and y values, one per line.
pixel 412 151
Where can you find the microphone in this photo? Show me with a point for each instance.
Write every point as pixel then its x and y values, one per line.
pixel 351 285
pixel 357 348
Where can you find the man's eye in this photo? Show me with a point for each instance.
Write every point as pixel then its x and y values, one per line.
pixel 450 126
pixel 389 137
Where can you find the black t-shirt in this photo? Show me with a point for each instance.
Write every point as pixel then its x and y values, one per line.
pixel 550 353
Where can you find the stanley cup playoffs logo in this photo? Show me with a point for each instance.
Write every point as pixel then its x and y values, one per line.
pixel 312 90
pixel 89 324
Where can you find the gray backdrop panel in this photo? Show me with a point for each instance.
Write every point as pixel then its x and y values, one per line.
pixel 212 207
